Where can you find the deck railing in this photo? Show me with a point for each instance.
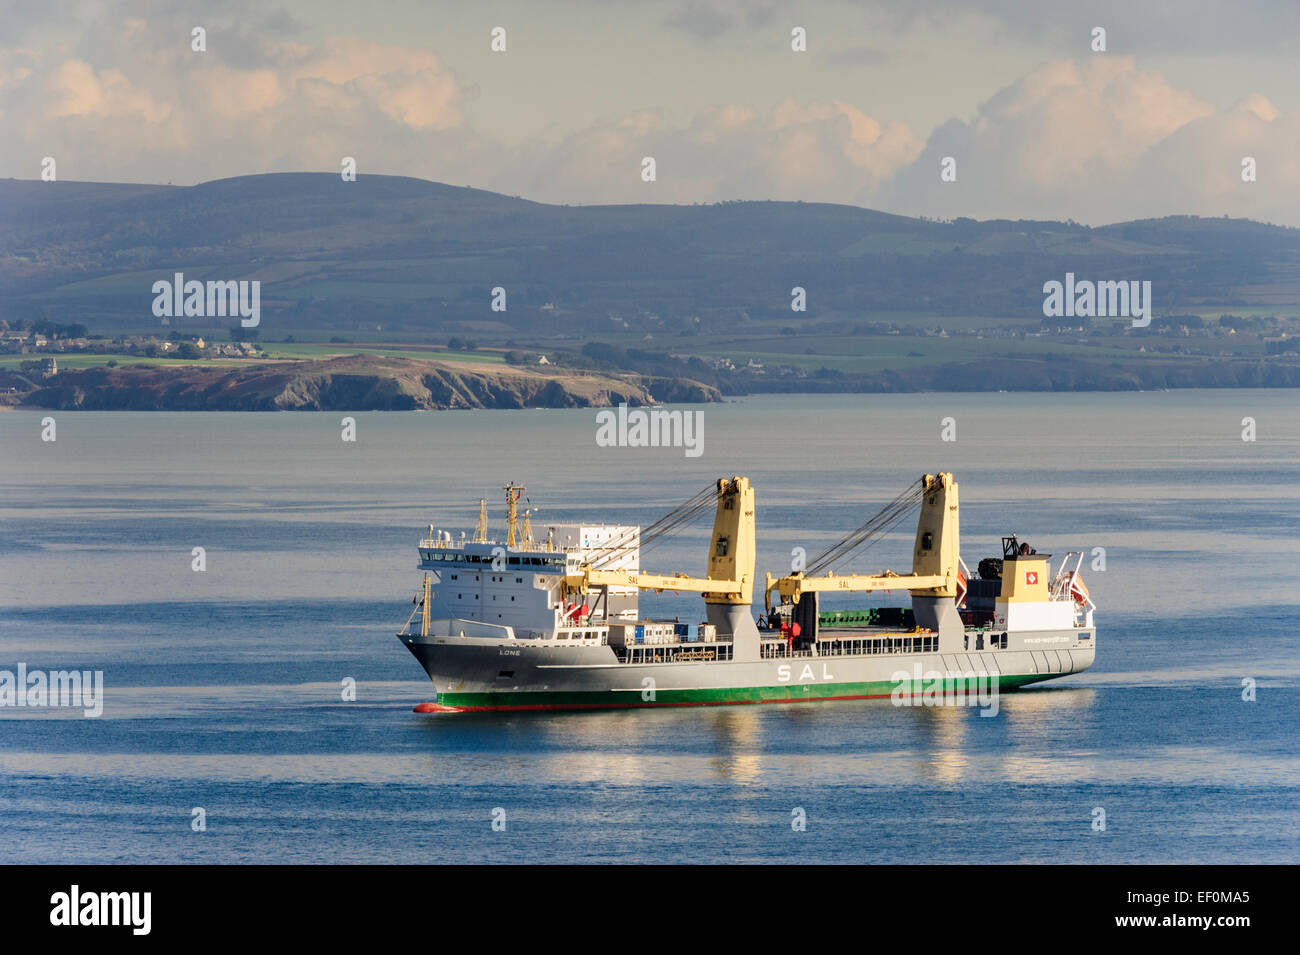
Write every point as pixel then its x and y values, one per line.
pixel 853 646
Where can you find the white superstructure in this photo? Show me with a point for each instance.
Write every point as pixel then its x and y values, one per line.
pixel 500 587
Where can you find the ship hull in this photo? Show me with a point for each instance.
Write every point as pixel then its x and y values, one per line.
pixel 471 674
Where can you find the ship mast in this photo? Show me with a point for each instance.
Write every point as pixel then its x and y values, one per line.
pixel 513 493
pixel 480 529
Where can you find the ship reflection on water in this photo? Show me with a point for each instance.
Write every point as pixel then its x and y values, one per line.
pixel 855 743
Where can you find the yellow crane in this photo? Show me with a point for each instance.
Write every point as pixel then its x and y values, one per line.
pixel 729 579
pixel 728 584
pixel 935 555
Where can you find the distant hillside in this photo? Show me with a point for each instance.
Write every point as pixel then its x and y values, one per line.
pixel 692 297
pixel 422 257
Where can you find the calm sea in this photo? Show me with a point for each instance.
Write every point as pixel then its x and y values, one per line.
pixel 223 689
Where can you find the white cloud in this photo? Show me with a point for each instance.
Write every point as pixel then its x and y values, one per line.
pixel 829 152
pixel 74 88
pixel 172 114
pixel 1198 168
pixel 1101 141
pixel 1096 139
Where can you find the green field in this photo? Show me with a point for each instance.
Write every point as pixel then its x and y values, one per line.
pixel 370 291
pixel 13 362
pixel 274 351
pixel 852 354
pixel 309 350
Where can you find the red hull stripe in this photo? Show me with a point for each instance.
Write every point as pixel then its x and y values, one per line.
pixel 439 708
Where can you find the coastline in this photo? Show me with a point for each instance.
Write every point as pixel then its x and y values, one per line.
pixel 373 383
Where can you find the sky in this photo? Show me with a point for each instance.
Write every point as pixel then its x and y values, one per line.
pixel 1037 123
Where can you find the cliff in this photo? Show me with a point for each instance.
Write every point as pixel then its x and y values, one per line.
pixel 352 383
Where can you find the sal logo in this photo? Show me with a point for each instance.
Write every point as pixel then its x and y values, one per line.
pixel 1031 577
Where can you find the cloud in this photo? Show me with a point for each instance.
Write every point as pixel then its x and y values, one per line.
pixel 167 112
pixel 857 55
pixel 1182 27
pixel 700 20
pixel 829 151
pixel 1259 106
pixel 74 88
pixel 1198 169
pixel 1095 139
pixel 1102 140
pixel 408 86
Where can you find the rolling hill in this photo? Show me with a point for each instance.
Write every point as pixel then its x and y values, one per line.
pixel 424 256
pixel 645 288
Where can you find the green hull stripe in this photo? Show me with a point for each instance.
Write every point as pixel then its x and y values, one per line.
pixel 782 693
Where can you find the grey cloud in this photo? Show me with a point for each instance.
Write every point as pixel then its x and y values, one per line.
pixel 700 20
pixel 851 56
pixel 1062 27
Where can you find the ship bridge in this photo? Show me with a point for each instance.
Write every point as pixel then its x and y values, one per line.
pixel 512 584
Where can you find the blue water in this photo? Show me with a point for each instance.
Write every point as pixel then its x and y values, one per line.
pixel 223 688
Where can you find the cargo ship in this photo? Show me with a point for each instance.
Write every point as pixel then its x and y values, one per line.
pixel 525 623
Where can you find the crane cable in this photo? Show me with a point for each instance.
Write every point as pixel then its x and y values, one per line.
pixel 684 514
pixel 869 533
